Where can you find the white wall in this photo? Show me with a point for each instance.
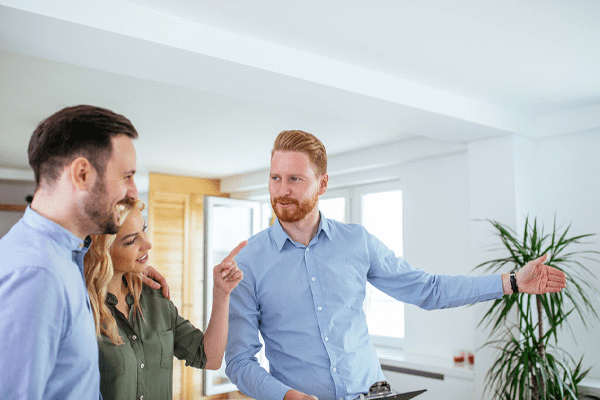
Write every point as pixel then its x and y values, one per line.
pixel 512 177
pixel 437 239
pixel 569 187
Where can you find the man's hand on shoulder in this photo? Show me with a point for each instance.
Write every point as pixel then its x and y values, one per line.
pixel 296 395
pixel 155 280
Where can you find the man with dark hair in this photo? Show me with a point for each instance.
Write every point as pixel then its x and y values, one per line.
pixel 83 160
pixel 304 287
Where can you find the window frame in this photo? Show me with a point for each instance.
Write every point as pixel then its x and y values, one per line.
pixel 357 192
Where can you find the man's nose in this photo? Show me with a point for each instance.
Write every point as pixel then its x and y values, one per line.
pixel 132 189
pixel 286 188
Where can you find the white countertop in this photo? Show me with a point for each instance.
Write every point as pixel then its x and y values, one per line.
pixel 426 363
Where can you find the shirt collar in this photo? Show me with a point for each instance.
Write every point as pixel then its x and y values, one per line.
pixel 60 234
pixel 112 301
pixel 280 236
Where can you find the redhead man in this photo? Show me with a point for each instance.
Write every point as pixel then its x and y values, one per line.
pixel 304 286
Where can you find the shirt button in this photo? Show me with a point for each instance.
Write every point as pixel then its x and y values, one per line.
pixel 307 249
pixel 320 308
pixel 133 337
pixel 141 397
pixel 313 279
pixel 334 369
pixel 326 339
pixel 142 366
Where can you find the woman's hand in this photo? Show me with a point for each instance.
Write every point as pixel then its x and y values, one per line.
pixel 227 275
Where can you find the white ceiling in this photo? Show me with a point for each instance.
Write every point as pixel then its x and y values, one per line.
pixel 209 84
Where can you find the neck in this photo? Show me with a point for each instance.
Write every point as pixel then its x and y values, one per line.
pixel 58 210
pixel 116 287
pixel 304 230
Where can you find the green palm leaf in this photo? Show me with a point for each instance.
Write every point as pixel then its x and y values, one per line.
pixel 529 365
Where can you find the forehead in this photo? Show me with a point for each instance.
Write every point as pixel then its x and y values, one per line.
pixel 290 162
pixel 134 222
pixel 123 153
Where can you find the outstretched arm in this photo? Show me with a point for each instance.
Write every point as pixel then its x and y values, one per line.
pixel 226 277
pixel 536 278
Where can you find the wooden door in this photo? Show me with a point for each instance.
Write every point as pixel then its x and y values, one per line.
pixel 175 228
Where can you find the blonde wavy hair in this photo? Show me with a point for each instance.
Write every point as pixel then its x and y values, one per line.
pixel 99 271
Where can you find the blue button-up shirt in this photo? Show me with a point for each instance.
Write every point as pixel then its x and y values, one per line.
pixel 307 302
pixel 48 347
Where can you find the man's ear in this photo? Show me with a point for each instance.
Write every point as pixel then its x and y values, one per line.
pixel 83 174
pixel 323 180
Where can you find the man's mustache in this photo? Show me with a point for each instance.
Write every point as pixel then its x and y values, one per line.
pixel 286 200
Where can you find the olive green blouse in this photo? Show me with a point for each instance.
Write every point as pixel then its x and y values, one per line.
pixel 142 368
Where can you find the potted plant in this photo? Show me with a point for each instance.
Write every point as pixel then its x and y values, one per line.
pixel 530 364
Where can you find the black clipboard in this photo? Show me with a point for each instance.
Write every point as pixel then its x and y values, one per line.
pixel 405 396
pixel 383 391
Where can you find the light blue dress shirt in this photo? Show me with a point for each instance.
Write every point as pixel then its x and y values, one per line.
pixel 48 347
pixel 307 302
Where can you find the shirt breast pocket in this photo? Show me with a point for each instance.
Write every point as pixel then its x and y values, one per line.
pixel 166 344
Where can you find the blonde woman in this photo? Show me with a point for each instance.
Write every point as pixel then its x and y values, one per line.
pixel 139 331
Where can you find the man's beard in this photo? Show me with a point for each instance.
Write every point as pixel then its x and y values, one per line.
pixel 300 211
pixel 99 212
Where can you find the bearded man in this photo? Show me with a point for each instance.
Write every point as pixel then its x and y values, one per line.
pixel 83 161
pixel 304 287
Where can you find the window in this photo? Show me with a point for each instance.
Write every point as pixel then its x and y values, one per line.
pixel 381 215
pixel 333 208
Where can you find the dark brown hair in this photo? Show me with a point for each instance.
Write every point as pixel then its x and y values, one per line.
pixel 303 142
pixel 79 131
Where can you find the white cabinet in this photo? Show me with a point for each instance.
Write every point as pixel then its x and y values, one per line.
pixel 440 376
pixel 449 388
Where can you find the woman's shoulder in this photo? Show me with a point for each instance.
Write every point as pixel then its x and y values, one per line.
pixel 155 307
pixel 153 297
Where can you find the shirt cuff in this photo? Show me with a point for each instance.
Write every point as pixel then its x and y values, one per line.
pixel 277 389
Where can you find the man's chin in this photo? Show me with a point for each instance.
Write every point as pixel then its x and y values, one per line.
pixel 110 226
pixel 285 216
